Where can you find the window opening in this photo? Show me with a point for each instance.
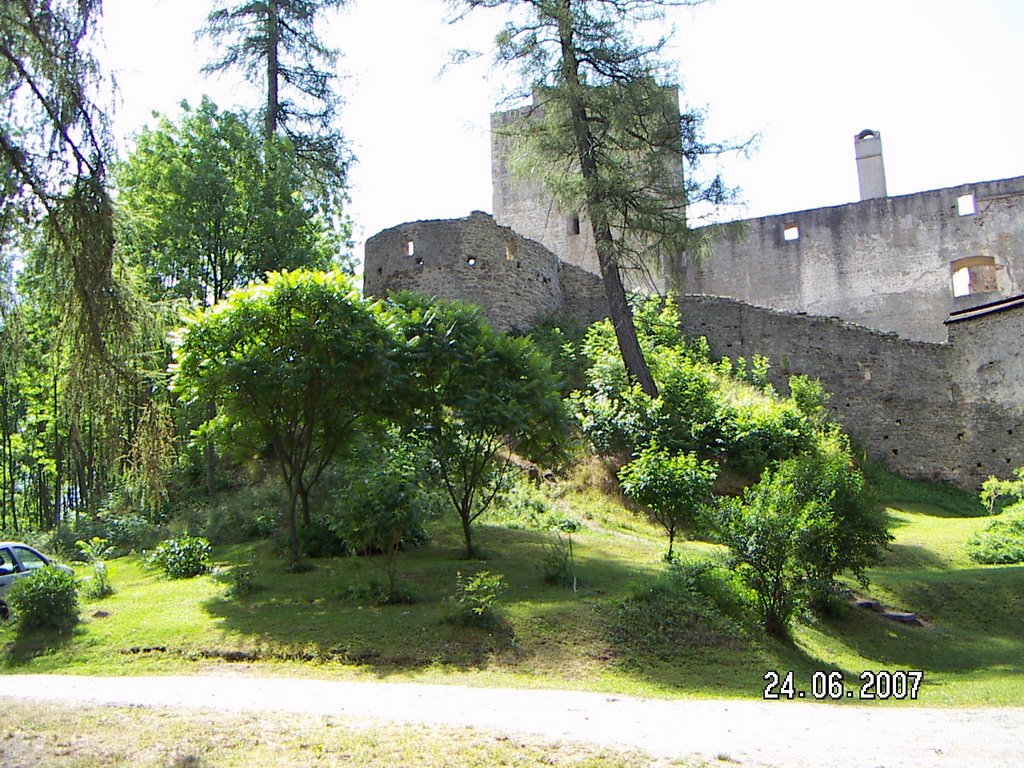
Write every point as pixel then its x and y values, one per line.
pixel 976 274
pixel 410 248
pixel 572 225
pixel 965 205
pixel 471 261
pixel 510 250
pixel 791 232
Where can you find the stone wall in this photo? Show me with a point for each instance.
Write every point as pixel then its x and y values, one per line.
pixel 528 209
pixel 927 410
pixel 949 411
pixel 886 263
pixel 513 279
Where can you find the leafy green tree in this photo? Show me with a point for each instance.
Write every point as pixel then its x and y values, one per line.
pixel 673 487
pixel 192 203
pixel 476 398
pixel 605 137
pixel 765 533
pixel 805 522
pixel 275 45
pixel 297 366
pixel 385 504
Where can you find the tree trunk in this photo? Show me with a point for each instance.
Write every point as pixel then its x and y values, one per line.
pixel 211 455
pixel 615 292
pixel 467 533
pixel 273 40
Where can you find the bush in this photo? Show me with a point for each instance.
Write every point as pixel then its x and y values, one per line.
pixel 672 613
pixel 673 487
pixel 183 557
pixel 559 564
pixel 96 550
pixel 476 597
pixel 247 514
pixel 319 539
pixel 1002 541
pixel 131 532
pixel 46 599
pixel 243 580
pixel 525 507
pixel 799 527
pixel 722 410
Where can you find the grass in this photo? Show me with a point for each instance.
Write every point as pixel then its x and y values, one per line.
pixel 324 622
pixel 116 737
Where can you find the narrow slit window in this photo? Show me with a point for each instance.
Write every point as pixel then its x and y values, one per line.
pixel 791 232
pixel 510 250
pixel 572 225
pixel 410 248
pixel 965 205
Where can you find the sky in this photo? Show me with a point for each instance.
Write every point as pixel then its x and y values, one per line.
pixel 938 79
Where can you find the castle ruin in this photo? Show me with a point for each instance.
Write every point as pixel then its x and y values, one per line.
pixel 908 308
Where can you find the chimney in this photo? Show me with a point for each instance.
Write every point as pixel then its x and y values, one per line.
pixel 870 168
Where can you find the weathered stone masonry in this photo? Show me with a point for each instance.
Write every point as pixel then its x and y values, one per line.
pixel 514 280
pixel 907 308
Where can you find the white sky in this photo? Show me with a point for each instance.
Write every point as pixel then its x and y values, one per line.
pixel 937 78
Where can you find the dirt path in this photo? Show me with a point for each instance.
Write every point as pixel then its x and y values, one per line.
pixel 784 734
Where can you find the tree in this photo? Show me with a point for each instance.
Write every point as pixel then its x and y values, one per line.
pixel 193 212
pixel 386 505
pixel 297 367
pixel 673 487
pixel 53 150
pixel 274 43
pixel 476 397
pixel 805 522
pixel 604 135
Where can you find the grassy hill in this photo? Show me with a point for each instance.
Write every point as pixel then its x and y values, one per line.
pixel 626 628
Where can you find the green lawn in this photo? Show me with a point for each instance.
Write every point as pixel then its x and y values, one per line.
pixel 322 622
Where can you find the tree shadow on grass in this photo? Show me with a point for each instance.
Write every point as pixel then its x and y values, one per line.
pixel 330 613
pixel 21 646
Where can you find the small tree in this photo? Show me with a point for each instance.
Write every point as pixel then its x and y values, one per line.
pixel 475 397
pixel 673 487
pixel 763 535
pixel 801 526
pixel 297 367
pixel 385 504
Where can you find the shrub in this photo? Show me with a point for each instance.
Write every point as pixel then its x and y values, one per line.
pixel 250 513
pixel 242 580
pixel 387 506
pixel 131 532
pixel 476 597
pixel 46 599
pixel 798 528
pixel 183 557
pixel 671 614
pixel 319 539
pixel 1002 541
pixel 559 564
pixel 96 550
pixel 525 507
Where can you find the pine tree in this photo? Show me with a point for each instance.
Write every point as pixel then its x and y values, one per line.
pixel 274 44
pixel 605 136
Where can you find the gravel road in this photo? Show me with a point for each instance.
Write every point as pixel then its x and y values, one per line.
pixel 783 734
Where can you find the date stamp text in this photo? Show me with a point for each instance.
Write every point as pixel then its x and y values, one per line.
pixel 881 685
